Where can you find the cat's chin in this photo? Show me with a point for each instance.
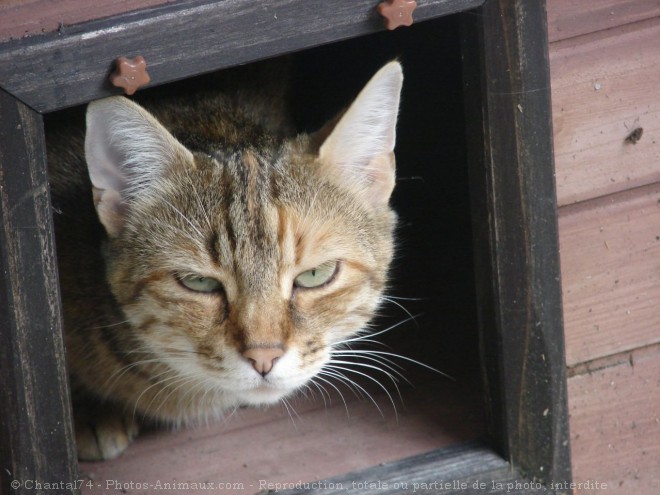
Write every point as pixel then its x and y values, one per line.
pixel 263 395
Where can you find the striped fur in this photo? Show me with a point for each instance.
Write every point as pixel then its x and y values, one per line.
pixel 214 185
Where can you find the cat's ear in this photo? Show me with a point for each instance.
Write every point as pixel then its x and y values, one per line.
pixel 126 149
pixel 360 148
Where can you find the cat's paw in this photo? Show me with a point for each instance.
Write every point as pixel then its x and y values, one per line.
pixel 104 436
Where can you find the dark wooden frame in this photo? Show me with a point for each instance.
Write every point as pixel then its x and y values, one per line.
pixel 516 248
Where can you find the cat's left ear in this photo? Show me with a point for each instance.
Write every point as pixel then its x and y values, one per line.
pixel 360 149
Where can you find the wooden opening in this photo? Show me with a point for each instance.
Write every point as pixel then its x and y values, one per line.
pixel 432 314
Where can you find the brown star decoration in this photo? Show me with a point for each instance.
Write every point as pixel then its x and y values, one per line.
pixel 397 12
pixel 130 74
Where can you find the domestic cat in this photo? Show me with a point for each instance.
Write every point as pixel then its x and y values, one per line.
pixel 211 258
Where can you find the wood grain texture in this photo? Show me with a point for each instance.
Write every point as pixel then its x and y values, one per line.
pixel 610 256
pixel 57 70
pixel 29 17
pixel 466 469
pixel 324 438
pixel 568 18
pixel 615 425
pixel 36 438
pixel 515 235
pixel 603 87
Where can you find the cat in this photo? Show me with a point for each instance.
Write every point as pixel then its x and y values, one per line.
pixel 209 257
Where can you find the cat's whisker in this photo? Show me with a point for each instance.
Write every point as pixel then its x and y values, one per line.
pixel 305 215
pixel 306 392
pixel 291 411
pixel 193 380
pixel 360 338
pixel 391 376
pixel 201 402
pixel 158 383
pixel 318 377
pixel 398 298
pixel 367 354
pixel 399 356
pixel 392 301
pixel 113 379
pixel 369 377
pixel 231 414
pixel 203 405
pixel 323 393
pixel 174 386
pixel 170 227
pixel 382 361
pixel 199 202
pixel 101 327
pixel 121 372
pixel 214 390
pixel 171 353
pixel 184 217
pixel 133 352
pixel 343 380
pixel 309 393
pixel 338 374
pixel 200 398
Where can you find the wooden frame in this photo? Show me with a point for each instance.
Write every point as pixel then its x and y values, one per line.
pixel 514 210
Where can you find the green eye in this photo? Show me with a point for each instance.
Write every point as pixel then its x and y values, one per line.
pixel 317 276
pixel 199 283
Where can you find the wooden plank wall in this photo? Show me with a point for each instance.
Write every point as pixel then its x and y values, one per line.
pixel 20 18
pixel 605 67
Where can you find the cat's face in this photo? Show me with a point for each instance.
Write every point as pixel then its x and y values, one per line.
pixel 241 270
pixel 214 266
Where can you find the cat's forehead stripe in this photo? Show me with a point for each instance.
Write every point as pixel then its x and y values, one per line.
pixel 245 236
pixel 213 247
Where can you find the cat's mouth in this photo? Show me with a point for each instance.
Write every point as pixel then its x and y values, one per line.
pixel 271 389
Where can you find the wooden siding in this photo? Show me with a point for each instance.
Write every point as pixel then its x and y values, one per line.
pixel 610 271
pixel 604 85
pixel 20 18
pixel 615 423
pixel 605 66
pixel 568 18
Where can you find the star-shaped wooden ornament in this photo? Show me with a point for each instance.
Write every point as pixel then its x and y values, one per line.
pixel 130 74
pixel 397 12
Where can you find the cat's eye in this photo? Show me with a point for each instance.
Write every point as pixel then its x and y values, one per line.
pixel 199 283
pixel 317 276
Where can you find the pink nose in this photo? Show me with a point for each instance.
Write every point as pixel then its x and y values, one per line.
pixel 263 358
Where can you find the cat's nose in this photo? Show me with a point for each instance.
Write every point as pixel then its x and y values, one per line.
pixel 263 358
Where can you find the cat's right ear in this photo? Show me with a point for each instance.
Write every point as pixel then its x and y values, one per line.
pixel 126 150
pixel 359 151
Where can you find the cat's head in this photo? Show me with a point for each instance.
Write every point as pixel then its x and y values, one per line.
pixel 242 269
